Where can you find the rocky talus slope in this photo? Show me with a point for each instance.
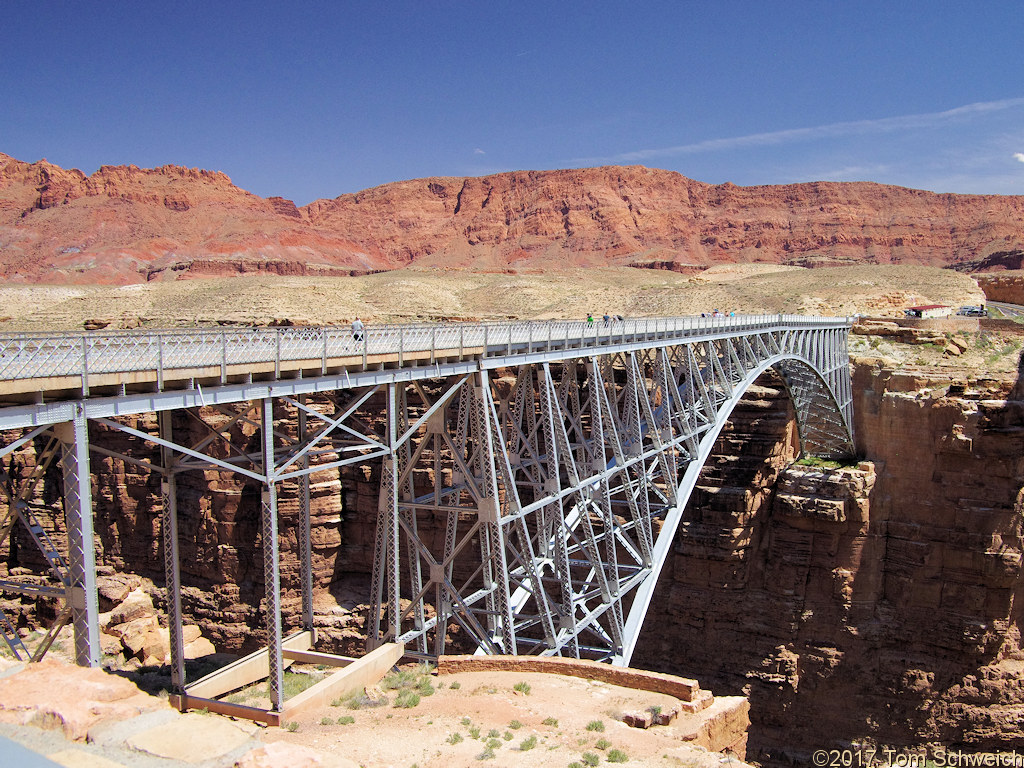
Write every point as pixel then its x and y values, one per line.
pixel 124 224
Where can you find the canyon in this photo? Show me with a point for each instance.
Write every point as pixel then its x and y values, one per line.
pixel 124 225
pixel 875 603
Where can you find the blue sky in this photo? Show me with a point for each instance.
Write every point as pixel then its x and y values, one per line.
pixel 315 99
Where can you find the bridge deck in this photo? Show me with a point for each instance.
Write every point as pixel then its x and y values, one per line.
pixel 37 369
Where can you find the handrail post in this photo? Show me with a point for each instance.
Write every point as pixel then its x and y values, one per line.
pixel 159 362
pixel 85 366
pixel 462 336
pixel 323 359
pixel 485 340
pixel 277 360
pixel 433 344
pixel 223 357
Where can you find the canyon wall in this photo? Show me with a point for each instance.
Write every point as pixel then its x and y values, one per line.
pixel 876 603
pixel 124 224
pixel 1007 286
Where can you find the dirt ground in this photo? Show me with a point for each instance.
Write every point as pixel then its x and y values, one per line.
pixel 434 294
pixel 550 722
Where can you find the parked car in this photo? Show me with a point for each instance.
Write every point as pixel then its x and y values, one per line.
pixel 972 311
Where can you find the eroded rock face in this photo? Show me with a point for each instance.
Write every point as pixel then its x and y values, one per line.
pixel 1003 286
pixel 125 224
pixel 876 603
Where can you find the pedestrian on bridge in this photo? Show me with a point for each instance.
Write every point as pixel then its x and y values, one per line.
pixel 357 330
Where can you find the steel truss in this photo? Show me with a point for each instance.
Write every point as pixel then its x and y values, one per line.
pixel 559 486
pixel 528 496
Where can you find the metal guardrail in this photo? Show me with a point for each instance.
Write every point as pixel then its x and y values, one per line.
pixel 36 356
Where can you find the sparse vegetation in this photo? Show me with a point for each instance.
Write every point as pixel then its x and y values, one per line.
pixel 346 720
pixel 515 725
pixel 326 721
pixel 589 758
pixel 602 744
pixel 474 732
pixel 596 725
pixel 552 721
pixel 527 744
pixel 617 756
pixel 454 738
pixel 523 687
pixel 291 727
pixel 407 698
pixel 455 685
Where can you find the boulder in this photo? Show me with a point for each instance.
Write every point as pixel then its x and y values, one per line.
pixel 135 605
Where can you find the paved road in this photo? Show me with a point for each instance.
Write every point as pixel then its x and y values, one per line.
pixel 1010 310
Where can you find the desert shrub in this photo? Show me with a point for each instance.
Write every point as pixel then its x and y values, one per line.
pixel 527 744
pixel 522 687
pixel 590 758
pixel 596 725
pixel 346 720
pixel 515 725
pixel 617 756
pixel 602 744
pixel 552 721
pixel 454 738
pixel 407 698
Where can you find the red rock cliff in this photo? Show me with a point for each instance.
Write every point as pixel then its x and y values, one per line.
pixel 126 224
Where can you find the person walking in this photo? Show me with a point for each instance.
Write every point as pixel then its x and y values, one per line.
pixel 357 330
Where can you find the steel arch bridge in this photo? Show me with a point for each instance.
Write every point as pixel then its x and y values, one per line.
pixel 560 484
pixel 532 475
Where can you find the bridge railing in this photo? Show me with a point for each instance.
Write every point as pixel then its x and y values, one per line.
pixel 34 356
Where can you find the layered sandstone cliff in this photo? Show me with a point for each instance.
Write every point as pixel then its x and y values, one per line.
pixel 877 604
pixel 124 224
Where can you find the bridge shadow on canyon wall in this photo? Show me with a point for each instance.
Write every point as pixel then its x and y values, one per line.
pixel 874 604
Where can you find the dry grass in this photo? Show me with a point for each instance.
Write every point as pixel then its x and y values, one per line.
pixel 434 294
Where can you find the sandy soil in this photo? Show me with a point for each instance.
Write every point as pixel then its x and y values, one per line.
pixel 486 708
pixel 434 294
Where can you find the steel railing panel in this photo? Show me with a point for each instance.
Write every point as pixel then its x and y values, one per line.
pixel 33 355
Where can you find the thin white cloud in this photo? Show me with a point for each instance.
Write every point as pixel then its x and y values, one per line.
pixel 881 125
pixel 479 151
pixel 1018 156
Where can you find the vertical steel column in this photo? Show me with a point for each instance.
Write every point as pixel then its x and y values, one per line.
pixel 386 584
pixel 74 436
pixel 271 563
pixel 172 560
pixel 492 538
pixel 304 532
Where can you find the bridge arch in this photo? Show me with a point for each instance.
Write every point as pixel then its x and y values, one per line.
pixel 823 430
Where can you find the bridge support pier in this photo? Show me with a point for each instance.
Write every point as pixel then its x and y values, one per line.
pixel 74 438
